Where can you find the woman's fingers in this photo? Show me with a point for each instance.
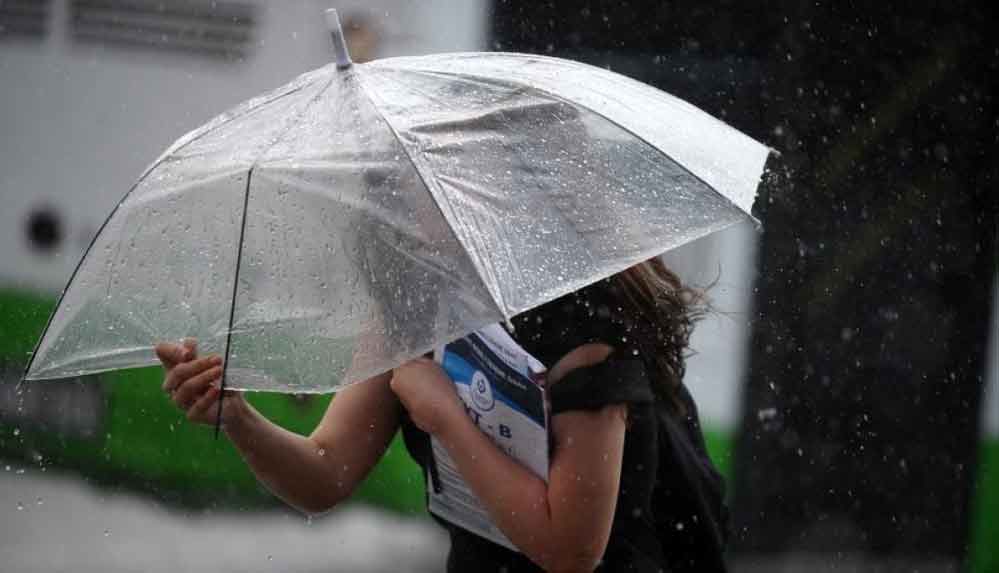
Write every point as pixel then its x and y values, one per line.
pixel 172 354
pixel 180 373
pixel 194 367
pixel 189 380
pixel 192 389
pixel 203 407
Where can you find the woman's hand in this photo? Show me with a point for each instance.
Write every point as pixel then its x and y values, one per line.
pixel 193 383
pixel 427 393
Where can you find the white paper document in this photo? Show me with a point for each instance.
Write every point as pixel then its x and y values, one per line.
pixel 503 391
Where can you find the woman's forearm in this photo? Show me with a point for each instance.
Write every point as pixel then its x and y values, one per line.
pixel 541 519
pixel 293 467
pixel 518 502
pixel 311 473
pixel 315 473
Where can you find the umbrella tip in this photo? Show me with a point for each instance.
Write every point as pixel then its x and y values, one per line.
pixel 339 44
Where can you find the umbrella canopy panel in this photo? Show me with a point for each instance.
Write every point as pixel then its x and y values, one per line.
pixel 714 152
pixel 163 265
pixel 547 194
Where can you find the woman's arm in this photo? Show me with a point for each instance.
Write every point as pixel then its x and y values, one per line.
pixel 311 473
pixel 562 525
pixel 317 472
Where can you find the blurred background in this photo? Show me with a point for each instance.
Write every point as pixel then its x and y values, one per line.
pixel 848 380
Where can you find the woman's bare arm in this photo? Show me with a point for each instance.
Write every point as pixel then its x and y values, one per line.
pixel 562 525
pixel 315 473
pixel 312 473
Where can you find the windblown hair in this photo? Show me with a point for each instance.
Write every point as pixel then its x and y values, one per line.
pixel 662 312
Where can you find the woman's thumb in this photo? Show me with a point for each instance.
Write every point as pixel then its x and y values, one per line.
pixel 190 348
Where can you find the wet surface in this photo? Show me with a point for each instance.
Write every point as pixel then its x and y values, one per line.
pixel 56 523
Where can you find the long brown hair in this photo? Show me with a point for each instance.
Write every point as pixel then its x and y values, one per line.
pixel 662 312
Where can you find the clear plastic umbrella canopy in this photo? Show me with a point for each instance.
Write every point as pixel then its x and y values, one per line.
pixel 364 214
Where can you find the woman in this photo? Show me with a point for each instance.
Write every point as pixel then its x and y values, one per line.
pixel 630 486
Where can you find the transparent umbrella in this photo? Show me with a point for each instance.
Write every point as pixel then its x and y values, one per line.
pixel 364 214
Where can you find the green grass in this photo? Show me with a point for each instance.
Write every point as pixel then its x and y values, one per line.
pixel 719 444
pixel 983 552
pixel 22 318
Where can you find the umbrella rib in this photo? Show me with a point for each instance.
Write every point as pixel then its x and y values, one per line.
pixel 242 235
pixel 496 296
pixel 232 305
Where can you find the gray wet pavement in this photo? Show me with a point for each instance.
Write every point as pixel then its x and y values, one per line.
pixel 59 523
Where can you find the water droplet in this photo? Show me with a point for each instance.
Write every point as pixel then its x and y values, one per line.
pixel 766 414
pixel 322 452
pixel 39 501
pixel 107 533
pixel 17 432
pixel 20 506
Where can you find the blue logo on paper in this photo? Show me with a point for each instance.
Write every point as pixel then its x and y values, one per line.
pixel 482 392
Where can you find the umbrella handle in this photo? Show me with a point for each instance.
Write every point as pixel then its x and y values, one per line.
pixel 343 60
